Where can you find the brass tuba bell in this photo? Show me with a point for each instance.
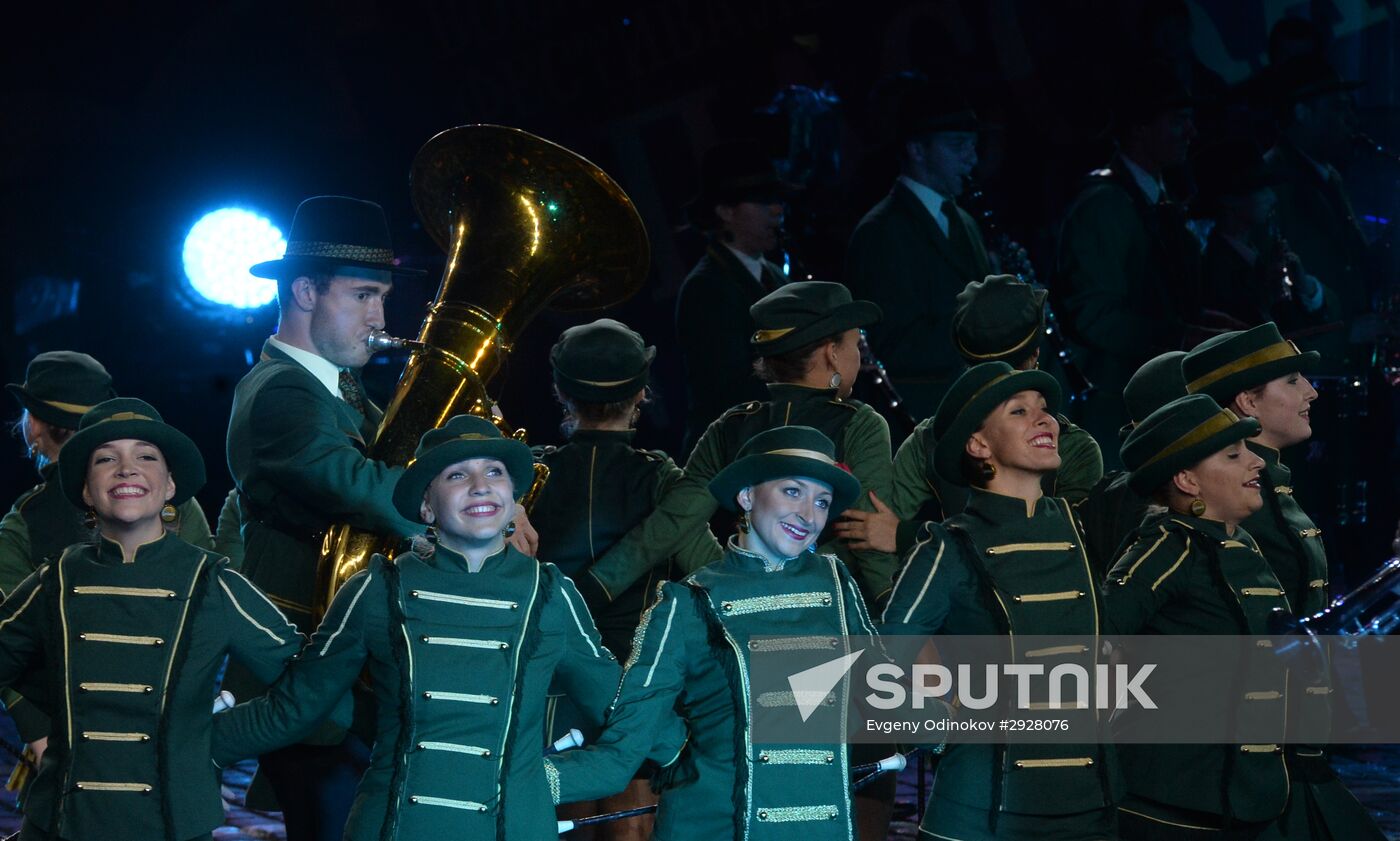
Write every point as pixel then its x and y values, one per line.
pixel 526 224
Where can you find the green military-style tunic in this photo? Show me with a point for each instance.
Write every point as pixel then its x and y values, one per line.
pixel 128 650
pixel 461 664
pixel 862 439
pixel 917 483
pixel 1186 575
pixel 693 654
pixel 1110 516
pixel 1290 541
pixel 1005 566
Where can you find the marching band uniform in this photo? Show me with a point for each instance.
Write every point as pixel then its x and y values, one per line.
pixel 1006 566
pixel 460 664
pixel 693 653
pixel 129 650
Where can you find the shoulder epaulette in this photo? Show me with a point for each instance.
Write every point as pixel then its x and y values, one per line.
pixel 655 455
pixel 743 409
pixel 853 405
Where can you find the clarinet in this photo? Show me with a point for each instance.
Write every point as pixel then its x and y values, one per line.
pixel 1013 259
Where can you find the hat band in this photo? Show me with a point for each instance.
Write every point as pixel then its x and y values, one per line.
pixel 1027 340
pixel 815 455
pixel 75 408
pixel 338 251
pixel 1213 425
pixel 978 393
pixel 127 416
pixel 761 336
pixel 1279 350
pixel 602 383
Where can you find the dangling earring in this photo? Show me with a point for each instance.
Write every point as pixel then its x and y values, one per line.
pixel 988 470
pixel 90 519
pixel 836 379
pixel 169 513
pixel 509 529
pixel 430 534
pixel 744 525
pixel 1198 507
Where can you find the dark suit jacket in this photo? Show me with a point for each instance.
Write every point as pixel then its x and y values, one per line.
pixel 900 259
pixel 713 328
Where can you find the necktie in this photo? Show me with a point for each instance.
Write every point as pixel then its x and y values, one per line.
pixel 944 217
pixel 350 391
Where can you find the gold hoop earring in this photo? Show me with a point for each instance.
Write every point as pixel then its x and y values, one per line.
pixel 90 519
pixel 169 513
pixel 1198 507
pixel 431 533
pixel 988 470
pixel 744 525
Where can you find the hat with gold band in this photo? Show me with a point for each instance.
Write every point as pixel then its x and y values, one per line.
pixel 971 398
pixel 330 232
pixel 127 417
pixel 461 438
pixel 786 452
pixel 61 386
pixel 800 313
pixel 1223 366
pixel 999 319
pixel 601 362
pixel 1178 436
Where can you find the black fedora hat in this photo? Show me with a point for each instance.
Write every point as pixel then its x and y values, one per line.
pixel 329 232
pixel 461 438
pixel 926 107
pixel 127 417
pixel 782 452
pixel 800 313
pixel 1233 167
pixel 60 386
pixel 1177 436
pixel 1303 77
pixel 732 172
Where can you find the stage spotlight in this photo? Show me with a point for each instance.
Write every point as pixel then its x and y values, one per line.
pixel 221 247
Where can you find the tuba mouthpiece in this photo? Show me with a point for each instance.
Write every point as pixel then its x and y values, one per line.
pixel 381 341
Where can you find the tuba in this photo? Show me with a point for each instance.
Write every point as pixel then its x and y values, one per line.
pixel 526 224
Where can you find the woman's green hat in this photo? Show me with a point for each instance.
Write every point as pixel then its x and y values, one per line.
pixel 127 417
pixel 461 438
pixel 61 386
pixel 601 362
pixel 798 314
pixel 998 319
pixel 1156 383
pixel 1223 366
pixel 972 397
pixel 1178 436
pixel 782 452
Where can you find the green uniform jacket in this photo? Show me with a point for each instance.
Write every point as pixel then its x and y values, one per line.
pixel 599 488
pixel 692 654
pixel 862 439
pixel 973 574
pixel 1184 575
pixel 461 664
pixel 900 258
pixel 713 328
pixel 1129 275
pixel 1315 216
pixel 42 523
pixel 129 653
pixel 1110 516
pixel 916 483
pixel 1290 541
pixel 297 455
pixel 228 531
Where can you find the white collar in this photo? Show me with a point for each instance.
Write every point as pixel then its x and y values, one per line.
pixel 1151 187
pixel 753 264
pixel 320 367
pixel 931 199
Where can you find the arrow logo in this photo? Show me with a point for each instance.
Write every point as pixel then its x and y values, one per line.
pixel 811 686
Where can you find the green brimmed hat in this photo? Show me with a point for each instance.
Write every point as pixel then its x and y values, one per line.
pixel 127 417
pixel 801 313
pixel 782 452
pixel 999 319
pixel 971 398
pixel 329 232
pixel 61 386
pixel 461 438
pixel 1158 382
pixel 1223 366
pixel 601 362
pixel 1179 435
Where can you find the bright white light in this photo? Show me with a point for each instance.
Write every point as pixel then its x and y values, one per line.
pixel 219 250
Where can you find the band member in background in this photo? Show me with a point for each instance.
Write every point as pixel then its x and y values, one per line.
pixel 916 249
pixel 59 386
pixel 740 210
pixel 1128 267
pixel 985 571
pixel 693 655
pixel 599 487
pixel 461 638
pixel 297 437
pixel 999 319
pixel 124 635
